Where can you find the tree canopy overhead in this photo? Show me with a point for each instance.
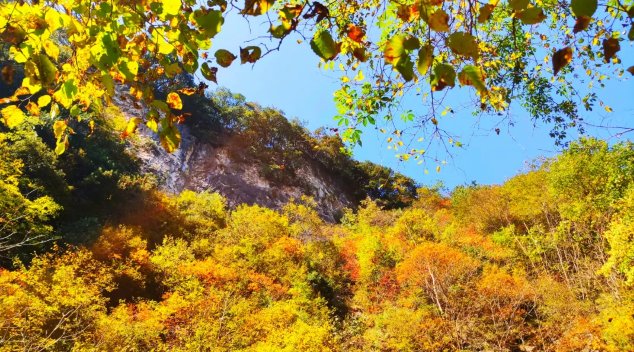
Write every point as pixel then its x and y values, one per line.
pixel 70 55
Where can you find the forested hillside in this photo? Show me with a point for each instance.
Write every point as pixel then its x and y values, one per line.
pixel 544 261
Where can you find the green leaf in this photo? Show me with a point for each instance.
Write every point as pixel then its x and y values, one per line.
pixel 533 15
pixel 108 83
pixel 224 57
pixel 324 46
pixel 290 12
pixel 209 72
pixel 425 58
pixel 444 75
pixel 190 62
pixel 75 111
pixel 287 15
pixel 169 135
pixel 66 94
pixel 107 52
pixel 279 31
pixel 472 76
pixel 464 44
pixel 250 54
pixel 518 5
pixel 584 7
pixel 210 23
pixel 405 67
pixel 411 43
pixel 485 13
pixel 396 54
pixel 47 69
pixel 160 105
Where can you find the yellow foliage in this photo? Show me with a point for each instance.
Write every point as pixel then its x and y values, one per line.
pixel 433 277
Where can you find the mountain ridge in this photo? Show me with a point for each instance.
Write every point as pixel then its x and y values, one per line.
pixel 229 161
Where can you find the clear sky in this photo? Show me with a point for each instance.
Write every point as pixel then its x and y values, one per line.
pixel 291 81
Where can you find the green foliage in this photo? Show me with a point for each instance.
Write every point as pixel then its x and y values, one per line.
pixel 26 210
pixel 391 189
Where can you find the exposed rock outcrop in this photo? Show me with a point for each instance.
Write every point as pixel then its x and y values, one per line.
pixel 221 166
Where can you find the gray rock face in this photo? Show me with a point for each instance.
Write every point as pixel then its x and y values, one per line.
pixel 200 165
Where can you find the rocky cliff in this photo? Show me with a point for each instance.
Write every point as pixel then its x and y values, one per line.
pixel 254 155
pixel 199 165
pixel 225 167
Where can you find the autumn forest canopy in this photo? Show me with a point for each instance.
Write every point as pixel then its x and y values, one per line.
pixel 282 240
pixel 549 57
pixel 95 257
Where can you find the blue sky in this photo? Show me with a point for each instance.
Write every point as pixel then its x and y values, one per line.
pixel 291 81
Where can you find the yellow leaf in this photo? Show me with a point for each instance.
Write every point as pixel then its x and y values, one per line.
pixel 12 116
pixel 58 128
pixel 66 94
pixel 54 110
pixel 164 47
pixel 131 127
pixel 188 91
pixel 32 85
pixel 174 101
pixel 171 7
pixel 53 20
pixel 152 125
pixel 43 101
pixel 60 145
pixel 51 49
